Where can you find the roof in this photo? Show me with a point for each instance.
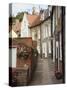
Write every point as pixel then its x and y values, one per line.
pixel 33 20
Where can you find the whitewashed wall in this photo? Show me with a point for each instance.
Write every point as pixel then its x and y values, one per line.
pixel 49 35
pixel 53 50
pixel 36 31
pixel 38 39
pixel 44 48
pixel 43 28
pixel 44 43
pixel 60 47
pixel 53 26
pixel 49 27
pixel 12 57
pixel 25 31
pixel 49 47
pixel 46 33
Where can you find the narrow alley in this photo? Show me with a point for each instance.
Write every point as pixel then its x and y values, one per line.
pixel 37 47
pixel 44 73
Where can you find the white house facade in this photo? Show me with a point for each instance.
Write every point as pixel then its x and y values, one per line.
pixel 35 33
pixel 46 37
pixel 25 31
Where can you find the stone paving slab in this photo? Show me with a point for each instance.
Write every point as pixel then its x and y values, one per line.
pixel 44 73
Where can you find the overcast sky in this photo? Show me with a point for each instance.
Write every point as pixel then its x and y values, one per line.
pixel 19 7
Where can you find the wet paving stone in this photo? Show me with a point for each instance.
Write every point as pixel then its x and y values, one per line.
pixel 44 73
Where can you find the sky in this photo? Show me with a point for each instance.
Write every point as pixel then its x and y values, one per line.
pixel 20 7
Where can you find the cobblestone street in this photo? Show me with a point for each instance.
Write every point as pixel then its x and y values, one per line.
pixel 44 73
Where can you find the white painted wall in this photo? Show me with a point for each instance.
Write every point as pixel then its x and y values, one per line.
pixel 49 47
pixel 43 28
pixel 49 27
pixel 45 49
pixel 44 43
pixel 12 57
pixel 53 22
pixel 60 47
pixel 49 35
pixel 38 39
pixel 38 48
pixel 34 33
pixel 36 30
pixel 43 36
pixel 54 50
pixel 46 33
pixel 47 30
pixel 25 31
pixel 57 46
